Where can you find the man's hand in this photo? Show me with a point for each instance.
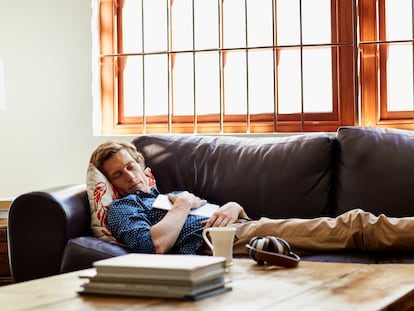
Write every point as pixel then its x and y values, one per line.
pixel 226 215
pixel 186 199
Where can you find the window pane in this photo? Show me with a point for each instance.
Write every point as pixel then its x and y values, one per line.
pixel 156 84
pixel 155 25
pixel 131 26
pixel 400 78
pixel 207 79
pixel 183 84
pixel 288 22
pixel 182 25
pixel 289 85
pixel 206 24
pixel 132 86
pixel 234 24
pixel 316 21
pixel 260 23
pixel 398 20
pixel 261 82
pixel 317 80
pixel 235 99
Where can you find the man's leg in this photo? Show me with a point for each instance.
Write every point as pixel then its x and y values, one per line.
pixel 355 229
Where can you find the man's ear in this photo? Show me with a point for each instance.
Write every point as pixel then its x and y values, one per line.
pixel 151 178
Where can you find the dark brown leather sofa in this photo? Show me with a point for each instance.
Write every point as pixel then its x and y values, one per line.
pixel 306 176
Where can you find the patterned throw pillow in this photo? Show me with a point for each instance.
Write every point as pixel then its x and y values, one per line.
pixel 101 193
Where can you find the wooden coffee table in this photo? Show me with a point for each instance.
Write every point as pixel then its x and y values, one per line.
pixel 311 286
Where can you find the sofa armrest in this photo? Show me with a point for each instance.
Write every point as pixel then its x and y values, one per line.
pixel 39 226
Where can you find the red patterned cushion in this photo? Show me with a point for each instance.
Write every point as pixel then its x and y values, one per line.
pixel 101 193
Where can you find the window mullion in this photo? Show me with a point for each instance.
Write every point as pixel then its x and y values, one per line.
pixel 221 63
pixel 274 38
pixel 144 113
pixel 302 119
pixel 356 63
pixel 368 60
pixel 412 31
pixel 195 121
pixel 170 64
pixel 248 129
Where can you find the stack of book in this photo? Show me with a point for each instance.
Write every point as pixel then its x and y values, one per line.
pixel 164 276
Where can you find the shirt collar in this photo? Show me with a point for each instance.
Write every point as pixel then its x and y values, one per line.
pixel 152 194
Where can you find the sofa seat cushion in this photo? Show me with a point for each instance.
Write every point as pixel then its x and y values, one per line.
pixel 343 256
pixel 81 252
pixel 366 257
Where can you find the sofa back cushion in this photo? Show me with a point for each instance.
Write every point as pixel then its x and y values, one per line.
pixel 273 177
pixel 375 171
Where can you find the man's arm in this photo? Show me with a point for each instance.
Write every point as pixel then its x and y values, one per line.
pixel 165 232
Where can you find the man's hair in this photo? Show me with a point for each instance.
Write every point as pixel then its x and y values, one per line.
pixel 107 149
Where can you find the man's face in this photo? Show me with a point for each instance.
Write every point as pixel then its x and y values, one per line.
pixel 125 174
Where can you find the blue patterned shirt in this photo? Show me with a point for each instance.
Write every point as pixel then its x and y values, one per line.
pixel 131 217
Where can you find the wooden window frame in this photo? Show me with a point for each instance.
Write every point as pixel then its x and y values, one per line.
pixel 344 78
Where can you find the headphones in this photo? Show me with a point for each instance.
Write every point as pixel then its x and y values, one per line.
pixel 273 251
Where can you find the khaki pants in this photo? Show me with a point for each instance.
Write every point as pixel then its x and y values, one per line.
pixel 355 229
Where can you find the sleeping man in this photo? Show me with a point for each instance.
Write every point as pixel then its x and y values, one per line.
pixel 133 221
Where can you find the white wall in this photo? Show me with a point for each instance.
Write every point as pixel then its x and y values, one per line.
pixel 46 131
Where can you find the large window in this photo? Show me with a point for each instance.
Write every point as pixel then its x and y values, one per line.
pixel 249 66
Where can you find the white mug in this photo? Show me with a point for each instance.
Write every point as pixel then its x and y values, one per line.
pixel 221 244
